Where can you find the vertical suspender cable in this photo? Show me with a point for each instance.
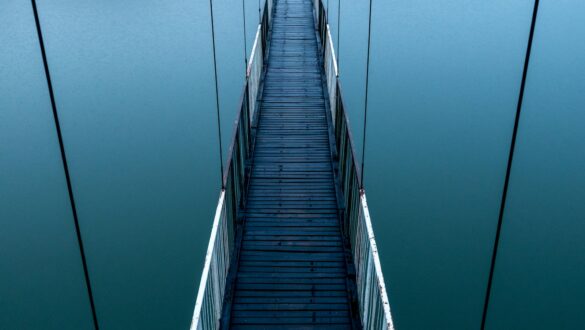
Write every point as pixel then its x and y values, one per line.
pixel 366 97
pixel 338 29
pixel 509 165
pixel 245 43
pixel 259 16
pixel 216 95
pixel 65 167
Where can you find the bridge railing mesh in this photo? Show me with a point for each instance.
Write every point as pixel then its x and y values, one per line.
pixel 220 250
pixel 357 226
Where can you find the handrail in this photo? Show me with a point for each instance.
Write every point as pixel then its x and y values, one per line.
pixel 330 66
pixel 334 60
pixel 357 226
pixel 200 318
pixel 254 70
pixel 249 69
pixel 220 250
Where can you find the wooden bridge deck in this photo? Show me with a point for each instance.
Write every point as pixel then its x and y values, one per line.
pixel 292 267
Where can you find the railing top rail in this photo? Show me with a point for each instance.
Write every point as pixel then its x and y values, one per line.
pixel 252 55
pixel 207 264
pixel 333 58
pixel 230 153
pixel 377 265
pixel 243 98
pixel 350 135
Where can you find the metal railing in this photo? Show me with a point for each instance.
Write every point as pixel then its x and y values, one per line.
pixel 357 226
pixel 220 250
pixel 256 63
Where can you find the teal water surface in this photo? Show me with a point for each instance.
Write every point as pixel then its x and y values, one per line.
pixel 443 91
pixel 132 84
pixel 134 89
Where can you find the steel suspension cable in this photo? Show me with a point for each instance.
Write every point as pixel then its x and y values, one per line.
pixel 509 165
pixel 338 29
pixel 65 166
pixel 366 96
pixel 245 42
pixel 216 94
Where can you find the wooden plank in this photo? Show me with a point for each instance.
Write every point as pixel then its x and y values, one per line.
pixel 289 307
pixel 297 293
pixel 295 322
pixel 292 326
pixel 290 287
pixel 281 270
pixel 290 300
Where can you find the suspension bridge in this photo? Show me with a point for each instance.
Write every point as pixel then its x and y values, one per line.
pixel 292 245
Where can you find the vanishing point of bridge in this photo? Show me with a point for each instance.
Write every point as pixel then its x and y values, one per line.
pixel 292 245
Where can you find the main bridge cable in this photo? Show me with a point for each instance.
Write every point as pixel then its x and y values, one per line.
pixel 366 97
pixel 509 166
pixel 216 95
pixel 65 167
pixel 338 29
pixel 245 42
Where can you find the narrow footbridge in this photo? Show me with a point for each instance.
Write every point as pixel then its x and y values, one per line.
pixel 292 245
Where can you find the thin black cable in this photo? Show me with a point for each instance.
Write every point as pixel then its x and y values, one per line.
pixel 338 29
pixel 509 166
pixel 259 16
pixel 245 43
pixel 216 94
pixel 65 167
pixel 366 97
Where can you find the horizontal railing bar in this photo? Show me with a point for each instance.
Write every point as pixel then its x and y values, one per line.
pixel 377 264
pixel 350 135
pixel 252 55
pixel 207 264
pixel 334 60
pixel 235 132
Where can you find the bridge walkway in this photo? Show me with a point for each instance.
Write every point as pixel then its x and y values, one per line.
pixel 292 270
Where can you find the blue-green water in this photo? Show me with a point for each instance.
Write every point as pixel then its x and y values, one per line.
pixel 444 87
pixel 133 83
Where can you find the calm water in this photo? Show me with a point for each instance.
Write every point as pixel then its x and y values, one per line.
pixel 134 88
